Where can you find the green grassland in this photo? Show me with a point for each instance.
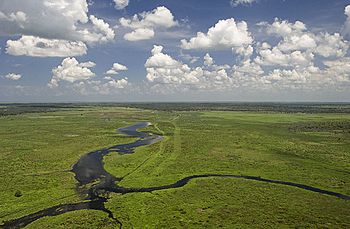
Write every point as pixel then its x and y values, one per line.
pixel 38 150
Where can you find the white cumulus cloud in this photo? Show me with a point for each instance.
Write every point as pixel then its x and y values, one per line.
pixel 339 69
pixel 296 37
pixel 139 34
pixel 275 56
pixel 235 3
pixel 121 4
pixel 48 19
pixel 225 34
pixel 163 69
pixel 63 23
pixel 42 47
pixel 101 87
pixel 329 45
pixel 116 68
pixel 284 28
pixel 145 23
pixel 208 60
pixel 71 71
pixel 13 76
pixel 294 59
pixel 119 84
pixel 99 33
pixel 18 17
pixel 346 28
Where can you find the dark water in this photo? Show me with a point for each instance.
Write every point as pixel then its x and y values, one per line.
pixel 184 181
pixel 89 169
pixel 97 204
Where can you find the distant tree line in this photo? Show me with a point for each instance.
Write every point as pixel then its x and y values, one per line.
pixel 261 107
pixel 14 109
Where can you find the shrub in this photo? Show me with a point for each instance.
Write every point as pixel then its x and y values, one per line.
pixel 18 193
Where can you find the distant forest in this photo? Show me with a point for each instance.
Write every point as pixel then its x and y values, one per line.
pixel 17 108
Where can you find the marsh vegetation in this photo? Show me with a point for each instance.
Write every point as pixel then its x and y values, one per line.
pixel 39 149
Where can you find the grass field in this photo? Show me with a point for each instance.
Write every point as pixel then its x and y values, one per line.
pixel 38 150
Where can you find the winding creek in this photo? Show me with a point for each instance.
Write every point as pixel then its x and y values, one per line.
pixel 93 180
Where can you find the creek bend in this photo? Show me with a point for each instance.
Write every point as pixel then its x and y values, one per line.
pixel 93 180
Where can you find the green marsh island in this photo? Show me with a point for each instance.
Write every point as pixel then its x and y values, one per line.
pixel 175 165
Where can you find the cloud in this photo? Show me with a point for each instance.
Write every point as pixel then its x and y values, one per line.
pixel 339 69
pixel 163 69
pixel 18 17
pixel 208 60
pixel 63 23
pixel 13 76
pixel 91 87
pixel 274 56
pixel 80 78
pixel 346 27
pixel 63 17
pixel 145 23
pixel 296 59
pixel 122 83
pixel 160 60
pixel 42 47
pixel 292 62
pixel 298 42
pixel 284 28
pixel 296 37
pixel 121 4
pixel 299 67
pixel 71 71
pixel 88 64
pixel 116 68
pixel 100 32
pixel 225 34
pixel 139 34
pixel 285 75
pixel 188 57
pixel 159 17
pixel 331 45
pixel 244 52
pixel 236 3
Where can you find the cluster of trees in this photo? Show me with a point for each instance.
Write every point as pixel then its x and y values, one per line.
pixel 13 109
pixel 343 126
pixel 264 107
pixel 18 108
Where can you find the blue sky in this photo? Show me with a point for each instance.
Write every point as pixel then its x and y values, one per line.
pixel 247 50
